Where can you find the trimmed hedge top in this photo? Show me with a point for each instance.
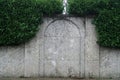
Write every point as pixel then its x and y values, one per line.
pixel 50 7
pixel 86 7
pixel 91 7
pixel 19 19
pixel 107 18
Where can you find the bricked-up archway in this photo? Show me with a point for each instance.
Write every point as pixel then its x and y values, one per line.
pixel 62 49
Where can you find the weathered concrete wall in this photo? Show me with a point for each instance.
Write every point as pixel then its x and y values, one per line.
pixel 62 48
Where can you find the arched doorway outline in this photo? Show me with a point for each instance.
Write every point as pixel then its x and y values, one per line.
pixel 78 28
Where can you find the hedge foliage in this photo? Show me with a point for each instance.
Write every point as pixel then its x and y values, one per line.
pixel 107 18
pixel 108 28
pixel 19 19
pixel 108 25
pixel 86 7
pixel 50 7
pixel 91 7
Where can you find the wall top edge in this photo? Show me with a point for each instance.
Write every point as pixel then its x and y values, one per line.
pixel 68 15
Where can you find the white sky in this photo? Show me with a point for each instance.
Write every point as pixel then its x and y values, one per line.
pixel 65 6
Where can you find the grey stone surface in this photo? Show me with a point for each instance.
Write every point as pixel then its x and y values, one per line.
pixel 91 51
pixel 62 48
pixel 71 68
pixel 51 79
pixel 41 56
pixel 79 22
pixel 43 26
pixel 92 69
pixel 12 61
pixel 109 63
pixel 32 58
pixel 91 46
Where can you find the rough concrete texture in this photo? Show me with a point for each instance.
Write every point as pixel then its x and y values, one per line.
pixel 109 63
pixel 91 51
pixel 62 44
pixel 62 48
pixel 12 61
pixel 50 79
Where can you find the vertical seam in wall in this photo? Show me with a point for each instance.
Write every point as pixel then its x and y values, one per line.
pixel 44 50
pixel 39 59
pixel 80 56
pixel 80 73
pixel 54 58
pixel 99 62
pixel 44 56
pixel 85 47
pixel 24 61
pixel 118 63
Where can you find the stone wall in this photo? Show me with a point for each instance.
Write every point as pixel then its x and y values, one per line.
pixel 63 47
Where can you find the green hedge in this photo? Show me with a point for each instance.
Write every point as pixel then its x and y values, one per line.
pixel 107 18
pixel 108 25
pixel 86 7
pixel 91 7
pixel 19 19
pixel 108 28
pixel 50 7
